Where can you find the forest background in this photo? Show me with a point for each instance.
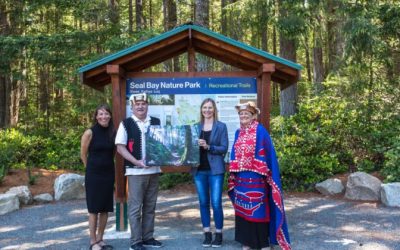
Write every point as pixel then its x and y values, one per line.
pixel 343 115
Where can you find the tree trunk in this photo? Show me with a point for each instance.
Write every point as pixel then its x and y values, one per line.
pixel 317 51
pixel 15 102
pixel 44 94
pixel 170 22
pixel 396 65
pixel 202 9
pixel 335 35
pixel 172 15
pixel 130 14
pixel 318 68
pixel 167 64
pixel 287 50
pixel 235 30
pixel 288 97
pixel 165 14
pixel 140 22
pixel 224 18
pixel 173 22
pixel 308 61
pixel 5 92
pixel 11 23
pixel 5 83
pixel 264 31
pixel 150 14
pixel 274 41
pixel 275 86
pixel 114 14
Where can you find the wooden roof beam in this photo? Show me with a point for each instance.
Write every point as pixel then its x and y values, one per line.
pixel 192 74
pixel 160 60
pixel 225 56
pixel 232 49
pixel 155 58
pixel 169 42
pixel 95 71
pixel 228 47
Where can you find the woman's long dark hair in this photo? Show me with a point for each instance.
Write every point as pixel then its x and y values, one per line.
pixel 111 122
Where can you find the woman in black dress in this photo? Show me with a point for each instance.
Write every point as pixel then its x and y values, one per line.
pixel 97 154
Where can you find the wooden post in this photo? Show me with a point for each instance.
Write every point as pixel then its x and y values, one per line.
pixel 264 93
pixel 118 100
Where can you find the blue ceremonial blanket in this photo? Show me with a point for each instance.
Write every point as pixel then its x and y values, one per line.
pixel 250 196
pixel 265 164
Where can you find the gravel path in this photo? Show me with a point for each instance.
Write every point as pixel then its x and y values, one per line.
pixel 314 223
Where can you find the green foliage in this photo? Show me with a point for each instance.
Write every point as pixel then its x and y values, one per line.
pixel 155 155
pixel 336 132
pixel 14 150
pixel 170 180
pixel 63 150
pixel 306 146
pixel 32 179
pixel 59 150
pixel 7 156
pixel 391 167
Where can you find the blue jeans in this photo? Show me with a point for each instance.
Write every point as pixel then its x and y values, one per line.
pixel 207 183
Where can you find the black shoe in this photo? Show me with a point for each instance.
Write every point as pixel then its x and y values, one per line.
pixel 217 242
pixel 137 246
pixel 152 243
pixel 207 239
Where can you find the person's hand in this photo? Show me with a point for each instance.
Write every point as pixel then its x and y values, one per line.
pixel 141 164
pixel 203 143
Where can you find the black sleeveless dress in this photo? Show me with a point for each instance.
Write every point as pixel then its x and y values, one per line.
pixel 99 178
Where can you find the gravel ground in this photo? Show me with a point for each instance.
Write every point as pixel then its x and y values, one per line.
pixel 315 222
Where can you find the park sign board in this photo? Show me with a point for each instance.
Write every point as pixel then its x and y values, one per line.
pixel 176 102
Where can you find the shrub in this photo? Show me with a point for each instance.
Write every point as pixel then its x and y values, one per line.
pixel 391 168
pixel 55 151
pixel 306 153
pixel 334 133
pixel 169 180
pixel 13 150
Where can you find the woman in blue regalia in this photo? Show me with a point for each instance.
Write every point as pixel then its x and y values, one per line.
pixel 254 185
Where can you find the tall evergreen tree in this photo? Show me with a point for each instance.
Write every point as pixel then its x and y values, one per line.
pixel 287 50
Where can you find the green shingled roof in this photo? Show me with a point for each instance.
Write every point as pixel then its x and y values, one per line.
pixel 179 29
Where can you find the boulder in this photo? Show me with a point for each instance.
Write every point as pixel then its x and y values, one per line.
pixel 8 203
pixel 23 193
pixel 330 187
pixel 43 198
pixel 69 187
pixel 362 186
pixel 390 194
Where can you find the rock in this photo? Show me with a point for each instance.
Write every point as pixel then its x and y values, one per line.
pixel 43 198
pixel 390 194
pixel 69 187
pixel 330 187
pixel 362 186
pixel 8 203
pixel 23 193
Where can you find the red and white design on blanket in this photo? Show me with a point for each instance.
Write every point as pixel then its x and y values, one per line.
pixel 245 147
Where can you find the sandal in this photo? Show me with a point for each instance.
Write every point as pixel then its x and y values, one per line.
pixel 104 246
pixel 92 246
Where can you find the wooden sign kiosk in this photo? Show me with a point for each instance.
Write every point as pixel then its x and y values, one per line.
pixel 190 39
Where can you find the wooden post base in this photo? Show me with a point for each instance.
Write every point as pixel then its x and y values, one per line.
pixel 121 216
